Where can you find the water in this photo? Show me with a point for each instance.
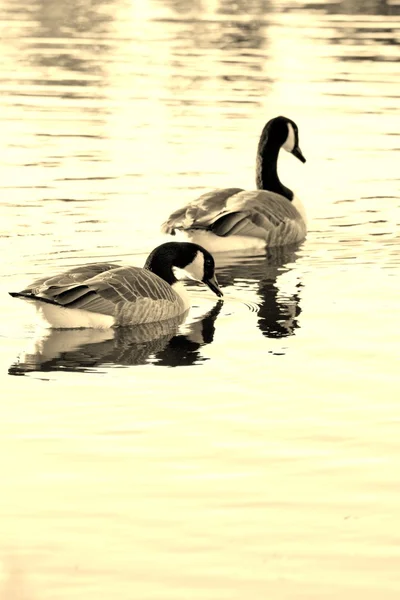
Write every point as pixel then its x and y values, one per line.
pixel 253 451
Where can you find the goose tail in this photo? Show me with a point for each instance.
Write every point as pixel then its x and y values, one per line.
pixel 33 298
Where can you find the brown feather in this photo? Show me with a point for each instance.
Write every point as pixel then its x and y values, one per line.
pixel 233 211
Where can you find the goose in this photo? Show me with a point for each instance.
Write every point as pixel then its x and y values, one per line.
pixel 103 295
pixel 232 219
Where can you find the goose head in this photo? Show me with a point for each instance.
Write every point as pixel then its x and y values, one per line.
pixel 175 260
pixel 202 268
pixel 282 132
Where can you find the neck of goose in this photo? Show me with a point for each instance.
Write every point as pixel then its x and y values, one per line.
pixel 156 265
pixel 180 289
pixel 266 171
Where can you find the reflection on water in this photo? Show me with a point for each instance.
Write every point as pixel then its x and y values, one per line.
pixel 361 7
pixel 173 343
pixel 86 349
pixel 73 18
pixel 184 349
pixel 267 467
pixel 278 307
pixel 278 316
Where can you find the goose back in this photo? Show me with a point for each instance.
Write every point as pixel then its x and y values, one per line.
pixel 130 295
pixel 256 214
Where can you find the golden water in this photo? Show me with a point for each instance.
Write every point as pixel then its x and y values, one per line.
pixel 254 453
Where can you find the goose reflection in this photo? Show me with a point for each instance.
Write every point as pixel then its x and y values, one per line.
pixel 278 303
pixel 84 350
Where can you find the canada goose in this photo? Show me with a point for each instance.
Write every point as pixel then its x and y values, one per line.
pixel 103 295
pixel 231 218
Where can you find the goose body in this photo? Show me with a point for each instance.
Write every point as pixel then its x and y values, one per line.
pixel 103 295
pixel 232 218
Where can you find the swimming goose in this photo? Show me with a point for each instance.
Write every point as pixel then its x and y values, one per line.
pixel 231 218
pixel 103 295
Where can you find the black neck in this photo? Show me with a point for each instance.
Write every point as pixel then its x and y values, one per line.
pixel 266 171
pixel 157 264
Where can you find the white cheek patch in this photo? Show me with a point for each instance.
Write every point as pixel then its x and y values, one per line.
pixel 179 273
pixel 290 140
pixel 195 269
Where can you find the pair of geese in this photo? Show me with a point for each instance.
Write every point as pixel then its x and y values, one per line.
pixel 103 295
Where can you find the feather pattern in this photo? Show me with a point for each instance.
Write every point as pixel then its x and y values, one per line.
pixel 259 214
pixel 74 275
pixel 129 294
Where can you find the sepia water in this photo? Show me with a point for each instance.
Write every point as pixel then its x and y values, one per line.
pixel 254 452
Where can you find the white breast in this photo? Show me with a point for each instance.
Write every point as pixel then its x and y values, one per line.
pixel 180 289
pixel 300 208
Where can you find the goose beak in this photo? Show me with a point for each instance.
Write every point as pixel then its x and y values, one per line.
pixel 298 154
pixel 213 285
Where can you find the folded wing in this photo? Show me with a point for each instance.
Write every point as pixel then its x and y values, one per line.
pixel 233 211
pixel 130 294
pixel 200 213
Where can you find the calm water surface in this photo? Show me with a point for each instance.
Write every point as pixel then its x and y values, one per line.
pixel 253 451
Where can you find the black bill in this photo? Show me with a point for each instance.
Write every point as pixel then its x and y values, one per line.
pixel 298 154
pixel 213 285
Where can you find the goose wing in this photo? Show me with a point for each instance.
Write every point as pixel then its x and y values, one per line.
pixel 131 294
pixel 233 211
pixel 200 213
pixel 261 214
pixel 70 277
